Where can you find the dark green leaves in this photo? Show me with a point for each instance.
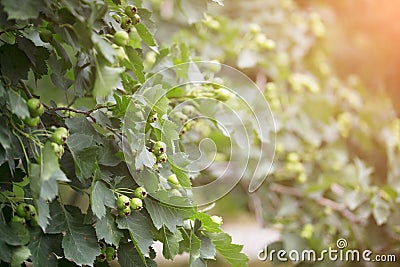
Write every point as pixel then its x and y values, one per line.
pixel 170 242
pixel 106 80
pixel 42 248
pixel 230 252
pixel 84 151
pixel 79 243
pixel 101 196
pixel 170 216
pixel 129 257
pixel 21 9
pixel 139 228
pixel 106 229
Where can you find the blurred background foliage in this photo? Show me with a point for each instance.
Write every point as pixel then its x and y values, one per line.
pixel 329 71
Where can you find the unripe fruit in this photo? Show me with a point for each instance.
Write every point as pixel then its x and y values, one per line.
pixel 35 107
pixel 34 221
pixel 140 192
pixel 60 136
pixel 101 257
pixel 159 147
pixel 117 18
pixel 58 149
pixel 32 122
pixel 21 209
pixel 179 116
pixel 123 202
pixel 136 19
pixel 136 203
pixel 126 23
pixel 222 94
pixel 162 158
pixel 125 212
pixel 131 11
pixel 110 253
pixel 18 219
pixel 188 110
pixel 120 52
pixel 172 179
pixel 121 38
pixel 46 35
pixel 153 117
pixel 30 212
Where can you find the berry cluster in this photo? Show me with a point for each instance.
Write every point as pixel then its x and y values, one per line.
pixel 25 214
pixel 125 204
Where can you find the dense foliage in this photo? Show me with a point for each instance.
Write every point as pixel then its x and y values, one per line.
pixel 73 120
pixel 336 171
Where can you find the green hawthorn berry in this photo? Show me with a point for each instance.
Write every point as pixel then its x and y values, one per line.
pixel 136 19
pixel 32 122
pixel 34 221
pixel 46 35
pixel 121 38
pixel 293 157
pixel 103 246
pixel 217 219
pixel 159 147
pixel 180 117
pixel 30 212
pixel 153 117
pixel 172 179
pixel 136 203
pixel 58 149
pixel 110 253
pixel 162 158
pixel 21 209
pixel 18 219
pixel 188 110
pixel 125 212
pixel 140 192
pixel 123 202
pixel 222 94
pixel 60 136
pixel 35 107
pixel 131 11
pixel 126 23
pixel 101 257
pixel 117 18
pixel 119 51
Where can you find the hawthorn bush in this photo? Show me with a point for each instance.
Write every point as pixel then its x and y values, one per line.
pixel 336 169
pixel 73 119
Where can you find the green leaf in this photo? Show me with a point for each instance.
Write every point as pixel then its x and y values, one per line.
pixel 41 247
pixel 207 223
pixel 190 243
pixel 207 249
pixel 21 9
pixel 140 230
pixel 36 54
pixel 146 36
pixel 170 216
pixel 170 242
pixel 19 255
pixel 14 63
pixel 145 158
pixel 101 196
pixel 18 105
pixel 45 177
pixel 85 154
pixel 137 63
pixel 107 229
pixel 107 79
pixel 230 252
pixel 5 252
pixel 7 235
pixel 43 211
pixel 80 242
pixel 129 257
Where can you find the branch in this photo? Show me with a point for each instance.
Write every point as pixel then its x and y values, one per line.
pixel 341 208
pixel 87 113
